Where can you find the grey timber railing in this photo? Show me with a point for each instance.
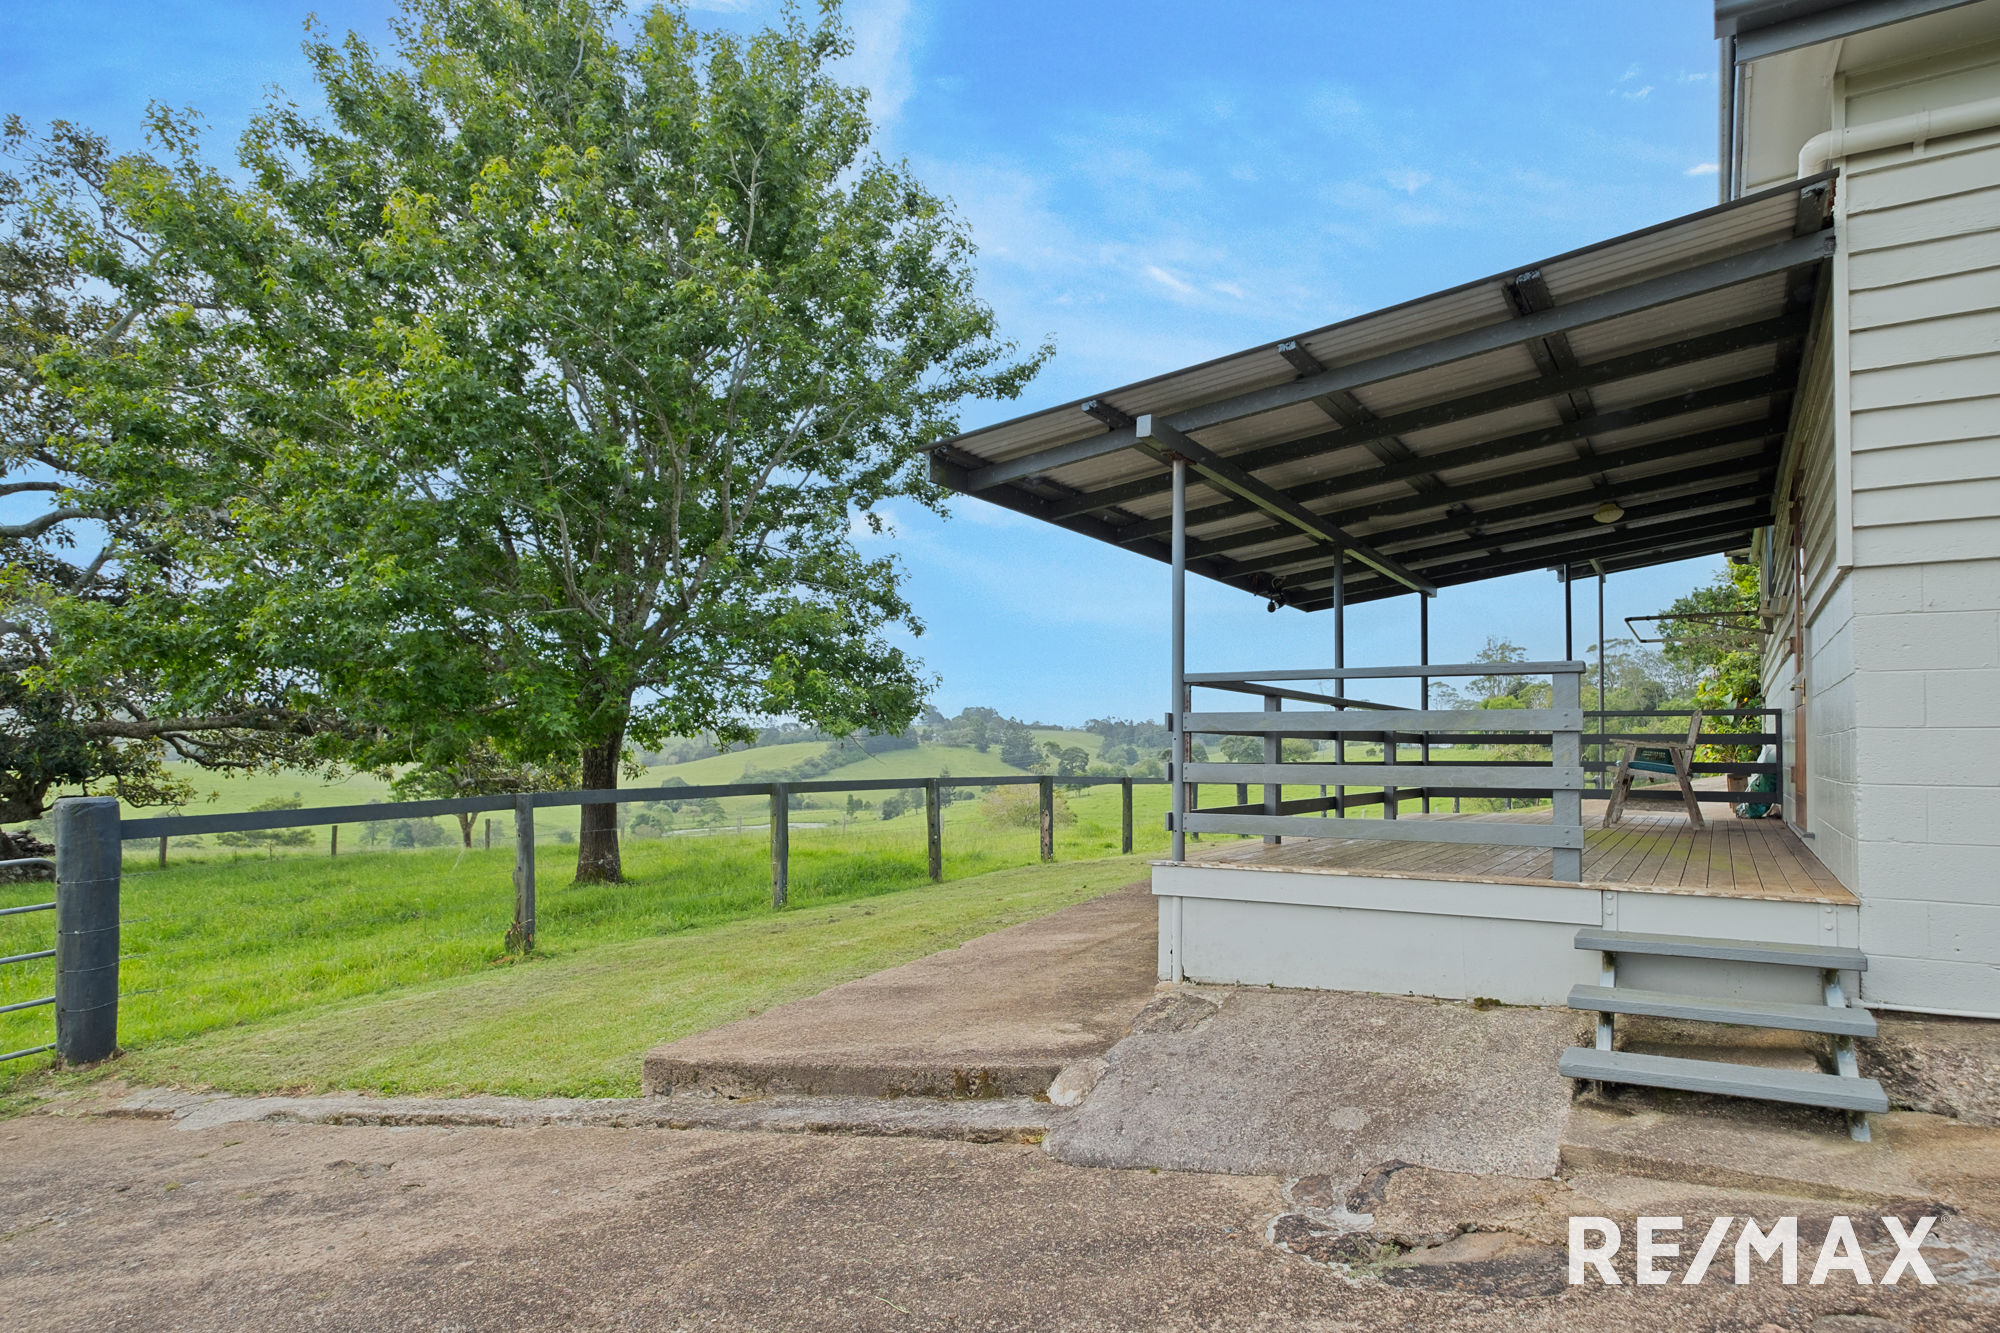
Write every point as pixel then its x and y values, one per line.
pixel 1601 743
pixel 1417 732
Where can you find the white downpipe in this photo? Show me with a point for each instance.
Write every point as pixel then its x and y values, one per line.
pixel 1917 128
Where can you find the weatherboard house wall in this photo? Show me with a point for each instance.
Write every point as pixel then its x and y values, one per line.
pixel 1883 564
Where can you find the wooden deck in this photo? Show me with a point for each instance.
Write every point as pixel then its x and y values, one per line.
pixel 1649 850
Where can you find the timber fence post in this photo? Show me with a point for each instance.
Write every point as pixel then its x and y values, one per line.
pixel 522 936
pixel 1048 803
pixel 332 846
pixel 1125 816
pixel 163 851
pixel 88 855
pixel 781 844
pixel 934 828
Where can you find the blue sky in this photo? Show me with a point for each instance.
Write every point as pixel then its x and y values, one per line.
pixel 1151 184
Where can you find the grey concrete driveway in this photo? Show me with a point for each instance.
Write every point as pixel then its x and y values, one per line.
pixel 120 1223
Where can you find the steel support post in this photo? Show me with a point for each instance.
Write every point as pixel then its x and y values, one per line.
pixel 1424 684
pixel 88 855
pixel 1339 661
pixel 522 936
pixel 1181 751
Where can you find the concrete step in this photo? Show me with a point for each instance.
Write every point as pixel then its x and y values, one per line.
pixel 1731 951
pixel 1727 1080
pixel 1747 1013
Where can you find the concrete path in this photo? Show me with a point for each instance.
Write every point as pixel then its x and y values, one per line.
pixel 998 1016
pixel 1317 1082
pixel 123 1223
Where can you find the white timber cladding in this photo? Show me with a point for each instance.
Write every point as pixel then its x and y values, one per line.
pixel 1901 678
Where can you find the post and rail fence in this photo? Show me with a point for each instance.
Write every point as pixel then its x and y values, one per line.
pixel 90 833
pixel 90 830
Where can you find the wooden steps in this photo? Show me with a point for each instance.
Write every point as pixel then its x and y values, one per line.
pixel 1844 1090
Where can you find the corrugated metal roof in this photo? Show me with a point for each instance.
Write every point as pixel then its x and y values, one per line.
pixel 1520 402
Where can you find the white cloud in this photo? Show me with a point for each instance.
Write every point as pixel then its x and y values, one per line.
pixel 881 58
pixel 1407 179
pixel 1636 95
pixel 1168 280
pixel 1701 169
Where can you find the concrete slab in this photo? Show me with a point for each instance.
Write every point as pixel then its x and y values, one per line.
pixel 999 1016
pixel 999 1120
pixel 1796 1151
pixel 1301 1083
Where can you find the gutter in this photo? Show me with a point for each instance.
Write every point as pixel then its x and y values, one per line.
pixel 1917 128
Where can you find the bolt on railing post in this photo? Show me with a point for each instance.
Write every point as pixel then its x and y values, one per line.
pixel 88 854
pixel 1125 816
pixel 934 829
pixel 1566 751
pixel 781 844
pixel 1048 821
pixel 522 936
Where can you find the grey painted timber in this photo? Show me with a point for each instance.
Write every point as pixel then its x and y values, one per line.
pixel 1727 1080
pixel 1384 830
pixel 1413 720
pixel 1391 672
pixel 1539 778
pixel 1733 951
pixel 1840 1021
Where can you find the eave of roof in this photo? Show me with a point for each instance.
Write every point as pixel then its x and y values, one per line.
pixel 1462 435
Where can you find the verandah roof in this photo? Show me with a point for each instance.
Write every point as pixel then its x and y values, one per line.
pixel 1464 435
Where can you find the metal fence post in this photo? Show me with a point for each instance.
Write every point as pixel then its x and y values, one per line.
pixel 1125 813
pixel 934 829
pixel 781 843
pixel 1048 786
pixel 88 855
pixel 522 936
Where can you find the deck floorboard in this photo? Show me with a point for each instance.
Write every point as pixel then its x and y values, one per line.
pixel 1648 849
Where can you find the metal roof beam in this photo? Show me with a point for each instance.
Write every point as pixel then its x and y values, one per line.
pixel 1713 276
pixel 1507 545
pixel 1640 414
pixel 1568 470
pixel 1683 492
pixel 1648 550
pixel 1166 443
pixel 1665 356
pixel 1791 253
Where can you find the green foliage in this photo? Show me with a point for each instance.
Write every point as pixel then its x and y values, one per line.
pixel 1021 807
pixel 1067 761
pixel 274 837
pixel 531 398
pixel 1713 634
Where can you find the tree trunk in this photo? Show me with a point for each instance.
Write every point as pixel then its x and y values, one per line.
pixel 597 860
pixel 465 830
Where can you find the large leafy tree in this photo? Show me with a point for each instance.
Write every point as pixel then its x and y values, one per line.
pixel 81 557
pixel 531 398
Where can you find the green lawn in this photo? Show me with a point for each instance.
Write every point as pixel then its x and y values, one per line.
pixel 385 970
pixel 249 971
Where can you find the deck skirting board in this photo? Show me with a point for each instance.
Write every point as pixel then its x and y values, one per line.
pixel 1453 939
